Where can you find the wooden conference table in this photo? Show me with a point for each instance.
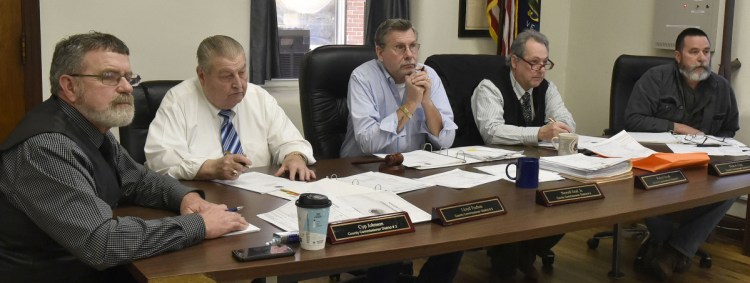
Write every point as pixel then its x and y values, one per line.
pixel 524 220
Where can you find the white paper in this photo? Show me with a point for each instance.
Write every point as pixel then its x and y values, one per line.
pixel 664 137
pixel 713 151
pixel 588 167
pixel 327 186
pixel 499 170
pixel 349 207
pixel 476 154
pixel 459 179
pixel 386 182
pixel 584 142
pixel 250 228
pixel 259 182
pixel 621 145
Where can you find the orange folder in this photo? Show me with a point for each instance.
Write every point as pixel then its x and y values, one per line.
pixel 665 161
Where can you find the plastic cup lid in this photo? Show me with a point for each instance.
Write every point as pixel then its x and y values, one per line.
pixel 311 200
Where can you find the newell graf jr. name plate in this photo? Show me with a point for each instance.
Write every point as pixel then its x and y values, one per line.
pixel 369 227
pixel 660 180
pixel 727 168
pixel 468 211
pixel 552 197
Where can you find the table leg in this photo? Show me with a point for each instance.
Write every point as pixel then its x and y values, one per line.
pixel 615 272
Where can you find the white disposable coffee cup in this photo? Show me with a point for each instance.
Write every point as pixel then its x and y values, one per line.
pixel 312 218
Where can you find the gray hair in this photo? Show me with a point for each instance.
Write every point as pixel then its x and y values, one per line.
pixel 391 24
pixel 518 47
pixel 68 56
pixel 217 45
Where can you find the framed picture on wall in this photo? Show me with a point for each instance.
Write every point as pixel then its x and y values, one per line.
pixel 472 19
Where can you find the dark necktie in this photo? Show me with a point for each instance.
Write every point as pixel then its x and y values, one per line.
pixel 526 105
pixel 230 141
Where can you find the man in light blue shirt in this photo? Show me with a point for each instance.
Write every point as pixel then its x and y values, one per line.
pixel 396 104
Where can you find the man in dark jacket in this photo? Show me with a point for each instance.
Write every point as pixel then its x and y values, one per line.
pixel 688 99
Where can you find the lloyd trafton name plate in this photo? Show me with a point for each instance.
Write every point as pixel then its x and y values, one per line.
pixel 727 168
pixel 660 180
pixel 468 211
pixel 369 227
pixel 552 197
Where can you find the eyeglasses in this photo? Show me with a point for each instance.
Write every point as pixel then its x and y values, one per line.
pixel 112 78
pixel 232 77
pixel 699 139
pixel 401 49
pixel 536 66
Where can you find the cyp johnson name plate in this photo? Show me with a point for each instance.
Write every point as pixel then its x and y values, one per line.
pixel 468 211
pixel 552 197
pixel 369 227
pixel 727 168
pixel 660 180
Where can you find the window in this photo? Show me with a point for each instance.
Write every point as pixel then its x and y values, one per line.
pixel 307 24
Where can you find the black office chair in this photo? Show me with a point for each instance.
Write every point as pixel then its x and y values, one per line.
pixel 323 85
pixel 147 97
pixel 460 74
pixel 625 73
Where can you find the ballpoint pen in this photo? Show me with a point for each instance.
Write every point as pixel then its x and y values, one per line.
pixel 235 209
pixel 551 120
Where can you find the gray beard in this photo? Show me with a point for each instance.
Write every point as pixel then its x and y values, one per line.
pixel 694 76
pixel 114 116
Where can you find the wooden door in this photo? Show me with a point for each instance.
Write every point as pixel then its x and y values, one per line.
pixel 20 62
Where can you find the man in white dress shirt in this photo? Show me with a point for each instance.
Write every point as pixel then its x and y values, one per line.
pixel 518 106
pixel 216 125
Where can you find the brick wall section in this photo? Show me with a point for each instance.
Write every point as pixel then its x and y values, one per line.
pixel 355 21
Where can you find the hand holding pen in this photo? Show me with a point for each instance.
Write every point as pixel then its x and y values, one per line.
pixel 552 129
pixel 230 166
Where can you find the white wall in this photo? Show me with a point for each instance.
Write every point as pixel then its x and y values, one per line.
pixel 162 35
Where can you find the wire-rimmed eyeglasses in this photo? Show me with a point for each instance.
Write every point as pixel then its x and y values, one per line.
pixel 401 48
pixel 112 78
pixel 536 66
pixel 700 139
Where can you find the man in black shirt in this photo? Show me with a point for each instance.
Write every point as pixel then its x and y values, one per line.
pixel 62 172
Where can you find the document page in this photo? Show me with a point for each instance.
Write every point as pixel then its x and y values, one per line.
pixel 475 154
pixel 459 179
pixel 621 145
pixel 386 182
pixel 327 186
pixel 259 182
pixel 250 228
pixel 499 170
pixel 713 151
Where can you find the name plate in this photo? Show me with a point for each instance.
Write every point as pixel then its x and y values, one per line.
pixel 727 168
pixel 552 197
pixel 468 211
pixel 660 180
pixel 369 227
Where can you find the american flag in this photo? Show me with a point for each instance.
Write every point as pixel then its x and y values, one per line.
pixel 509 17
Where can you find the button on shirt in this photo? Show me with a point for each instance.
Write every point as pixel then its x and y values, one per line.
pixel 373 100
pixel 487 104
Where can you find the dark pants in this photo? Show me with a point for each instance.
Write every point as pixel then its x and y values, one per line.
pixel 439 268
pixel 506 258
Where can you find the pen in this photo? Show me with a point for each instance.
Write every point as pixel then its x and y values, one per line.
pixel 226 152
pixel 551 120
pixel 235 209
pixel 291 193
pixel 709 145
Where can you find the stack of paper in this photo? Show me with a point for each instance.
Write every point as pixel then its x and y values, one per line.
pixel 422 159
pixel 588 168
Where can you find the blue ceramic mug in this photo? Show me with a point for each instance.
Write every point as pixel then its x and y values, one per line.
pixel 527 172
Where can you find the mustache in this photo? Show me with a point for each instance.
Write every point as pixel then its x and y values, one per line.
pixel 124 98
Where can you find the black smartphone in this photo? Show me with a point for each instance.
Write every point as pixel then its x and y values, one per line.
pixel 262 252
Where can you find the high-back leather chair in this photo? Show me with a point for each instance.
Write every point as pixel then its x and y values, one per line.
pixel 626 71
pixel 147 97
pixel 323 86
pixel 461 73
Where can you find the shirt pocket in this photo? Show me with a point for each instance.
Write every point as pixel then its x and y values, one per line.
pixel 667 107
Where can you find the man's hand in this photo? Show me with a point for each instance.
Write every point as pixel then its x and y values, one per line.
pixel 228 167
pixel 297 167
pixel 547 132
pixel 421 79
pixel 193 203
pixel 682 129
pixel 219 221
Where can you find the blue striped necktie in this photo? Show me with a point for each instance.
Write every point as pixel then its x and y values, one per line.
pixel 230 141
